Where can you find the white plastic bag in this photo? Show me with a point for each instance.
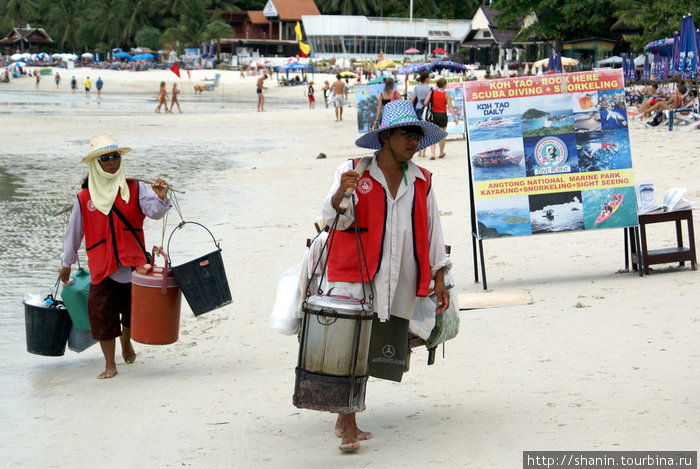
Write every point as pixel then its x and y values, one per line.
pixel 286 312
pixel 423 320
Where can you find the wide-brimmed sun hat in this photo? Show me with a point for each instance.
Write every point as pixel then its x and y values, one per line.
pixel 102 145
pixel 400 113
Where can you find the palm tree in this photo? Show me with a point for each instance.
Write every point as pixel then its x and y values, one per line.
pixel 196 25
pixel 138 15
pixel 20 12
pixel 107 20
pixel 64 19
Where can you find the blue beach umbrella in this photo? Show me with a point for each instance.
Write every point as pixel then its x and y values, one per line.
pixel 415 68
pixel 454 67
pixel 557 63
pixel 688 48
pixel 675 53
pixel 123 55
pixel 646 70
pixel 551 64
pixel 143 57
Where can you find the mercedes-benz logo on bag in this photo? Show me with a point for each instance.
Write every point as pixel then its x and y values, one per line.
pixel 388 351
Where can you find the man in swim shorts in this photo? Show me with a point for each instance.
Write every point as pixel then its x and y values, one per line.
pixel 259 89
pixel 338 90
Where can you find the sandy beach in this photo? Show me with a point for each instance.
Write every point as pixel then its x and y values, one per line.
pixel 601 360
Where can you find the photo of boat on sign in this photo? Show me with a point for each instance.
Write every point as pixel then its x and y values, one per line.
pixel 498 159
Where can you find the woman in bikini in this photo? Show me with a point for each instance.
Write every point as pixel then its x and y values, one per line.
pixel 162 98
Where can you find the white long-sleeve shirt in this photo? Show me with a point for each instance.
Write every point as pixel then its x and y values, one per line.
pixel 395 281
pixel 151 205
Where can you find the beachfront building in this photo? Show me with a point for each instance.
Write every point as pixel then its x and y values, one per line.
pixel 269 32
pixel 25 40
pixel 488 44
pixel 589 51
pixel 363 37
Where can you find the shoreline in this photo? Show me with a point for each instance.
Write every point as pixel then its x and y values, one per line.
pixel 602 360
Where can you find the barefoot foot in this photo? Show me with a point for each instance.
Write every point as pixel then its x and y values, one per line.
pixel 349 447
pixel 108 373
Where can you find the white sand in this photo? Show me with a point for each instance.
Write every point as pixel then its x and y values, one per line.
pixel 601 360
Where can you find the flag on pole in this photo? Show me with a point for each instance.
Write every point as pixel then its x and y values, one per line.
pixel 304 49
pixel 175 68
pixel 188 72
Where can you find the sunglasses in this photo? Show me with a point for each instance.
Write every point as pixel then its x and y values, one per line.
pixel 113 157
pixel 415 134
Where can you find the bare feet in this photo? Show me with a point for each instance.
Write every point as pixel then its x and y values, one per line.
pixel 129 355
pixel 443 155
pixel 107 373
pixel 349 447
pixel 350 444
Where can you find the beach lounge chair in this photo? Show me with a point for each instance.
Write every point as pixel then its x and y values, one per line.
pixel 688 114
pixel 209 85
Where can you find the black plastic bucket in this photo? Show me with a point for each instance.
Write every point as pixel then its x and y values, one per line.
pixel 202 280
pixel 47 328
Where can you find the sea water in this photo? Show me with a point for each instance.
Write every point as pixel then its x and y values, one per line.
pixel 41 177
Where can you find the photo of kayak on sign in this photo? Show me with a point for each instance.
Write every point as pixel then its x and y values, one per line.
pixel 549 153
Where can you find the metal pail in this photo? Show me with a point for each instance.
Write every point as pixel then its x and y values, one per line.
pixel 336 335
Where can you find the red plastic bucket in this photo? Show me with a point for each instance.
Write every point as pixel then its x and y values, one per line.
pixel 155 303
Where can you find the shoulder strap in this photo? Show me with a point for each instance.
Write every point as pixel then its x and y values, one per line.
pixel 360 166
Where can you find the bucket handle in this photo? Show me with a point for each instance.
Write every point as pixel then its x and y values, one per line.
pixel 182 223
pixel 149 267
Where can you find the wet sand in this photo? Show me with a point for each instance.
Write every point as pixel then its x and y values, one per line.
pixel 601 360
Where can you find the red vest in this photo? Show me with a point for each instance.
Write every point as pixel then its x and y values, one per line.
pixel 370 218
pixel 110 243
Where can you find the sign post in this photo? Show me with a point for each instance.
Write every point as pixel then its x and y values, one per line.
pixel 548 154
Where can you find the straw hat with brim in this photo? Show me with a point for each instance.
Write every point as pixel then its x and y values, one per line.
pixel 400 113
pixel 102 145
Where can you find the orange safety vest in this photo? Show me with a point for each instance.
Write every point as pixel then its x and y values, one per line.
pixel 370 220
pixel 114 240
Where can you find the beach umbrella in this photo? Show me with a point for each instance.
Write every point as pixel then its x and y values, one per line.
pixel 439 50
pixel 143 57
pixel 415 67
pixel 646 70
pixel 411 50
pixel 16 56
pixel 348 74
pixel 18 64
pixel 688 48
pixel 379 79
pixel 551 65
pixel 56 56
pixel 123 55
pixel 26 55
pixel 384 64
pixel 675 53
pixel 454 67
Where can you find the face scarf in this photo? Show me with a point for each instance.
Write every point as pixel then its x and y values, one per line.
pixel 104 186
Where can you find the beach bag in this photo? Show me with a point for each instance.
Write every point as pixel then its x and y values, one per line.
pixel 388 348
pixel 428 109
pixel 286 313
pixel 657 120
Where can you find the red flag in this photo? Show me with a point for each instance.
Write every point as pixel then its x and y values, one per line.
pixel 175 68
pixel 188 72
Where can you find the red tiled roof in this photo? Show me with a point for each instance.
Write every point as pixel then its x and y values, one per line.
pixel 292 10
pixel 257 17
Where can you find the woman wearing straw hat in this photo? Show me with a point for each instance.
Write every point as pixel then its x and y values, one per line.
pixel 109 212
pixel 403 247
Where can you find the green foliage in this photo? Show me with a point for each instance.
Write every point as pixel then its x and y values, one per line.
pixel 148 37
pixel 635 21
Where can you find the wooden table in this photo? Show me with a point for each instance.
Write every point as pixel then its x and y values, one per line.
pixel 680 253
